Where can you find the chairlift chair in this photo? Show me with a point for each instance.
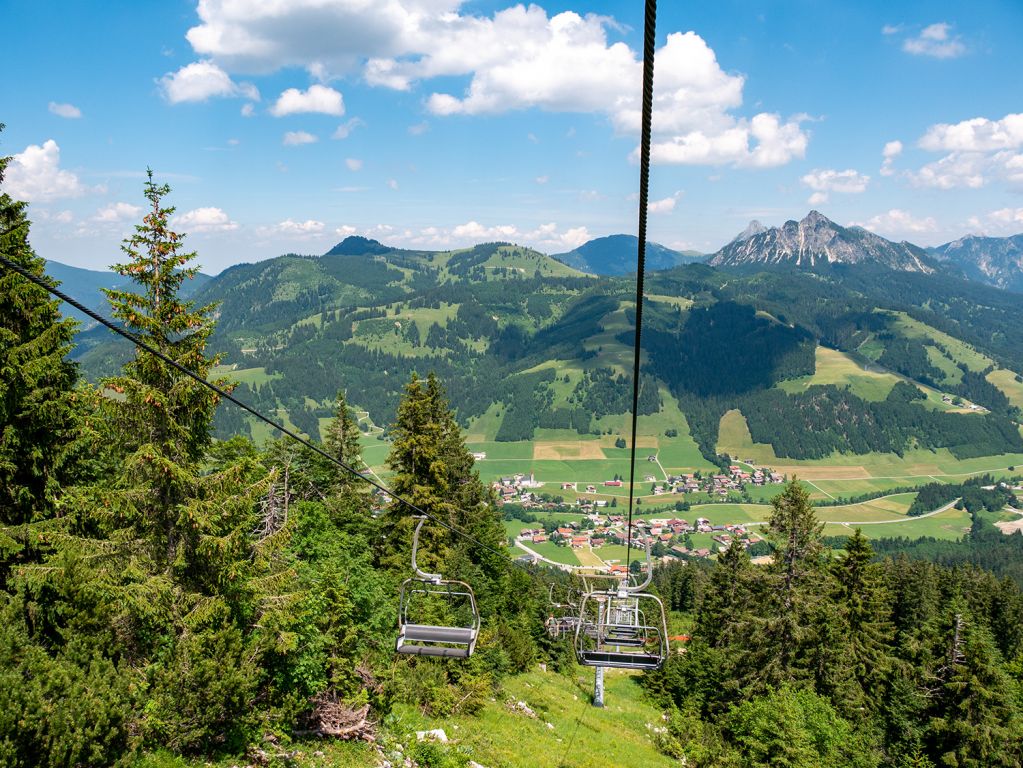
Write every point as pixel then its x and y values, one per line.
pixel 562 619
pixel 456 641
pixel 623 636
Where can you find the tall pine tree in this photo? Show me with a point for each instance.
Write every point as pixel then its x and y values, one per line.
pixel 39 418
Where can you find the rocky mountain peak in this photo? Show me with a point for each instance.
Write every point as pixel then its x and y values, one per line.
pixel 816 241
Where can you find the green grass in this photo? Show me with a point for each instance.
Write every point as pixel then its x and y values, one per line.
pixel 914 468
pixel 840 369
pixel 553 552
pixel 960 351
pixel 251 376
pixel 582 735
pixel 1006 381
pixel 949 525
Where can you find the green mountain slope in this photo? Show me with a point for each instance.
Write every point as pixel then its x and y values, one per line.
pixel 530 348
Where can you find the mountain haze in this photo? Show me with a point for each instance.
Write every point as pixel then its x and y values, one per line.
pixel 817 242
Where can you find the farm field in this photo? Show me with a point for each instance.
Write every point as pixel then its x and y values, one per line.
pixel 553 552
pixel 918 466
pixel 950 524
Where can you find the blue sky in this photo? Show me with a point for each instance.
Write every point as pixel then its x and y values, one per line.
pixel 284 126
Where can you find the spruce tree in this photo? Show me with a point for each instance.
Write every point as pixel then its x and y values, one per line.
pixel 976 719
pixel 865 628
pixel 39 416
pixel 787 621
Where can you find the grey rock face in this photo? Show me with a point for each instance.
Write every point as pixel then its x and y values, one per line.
pixel 818 241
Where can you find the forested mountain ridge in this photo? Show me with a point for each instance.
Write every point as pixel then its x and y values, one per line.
pixel 616 255
pixel 525 342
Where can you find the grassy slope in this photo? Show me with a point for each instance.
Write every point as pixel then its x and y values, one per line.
pixel 582 736
pixel 913 468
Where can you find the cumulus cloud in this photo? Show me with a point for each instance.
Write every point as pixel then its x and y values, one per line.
pixel 891 150
pixel 202 80
pixel 297 138
pixel 899 223
pixel 975 152
pixel 208 219
pixel 293 230
pixel 69 111
pixel 35 175
pixel 319 99
pixel 665 205
pixel 116 213
pixel 548 237
pixel 353 163
pixel 975 135
pixel 935 40
pixel 517 58
pixel 825 181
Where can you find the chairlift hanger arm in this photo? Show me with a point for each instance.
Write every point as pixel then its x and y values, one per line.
pixel 420 574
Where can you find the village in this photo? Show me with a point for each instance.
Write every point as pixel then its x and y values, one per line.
pixel 523 489
pixel 600 525
pixel 668 537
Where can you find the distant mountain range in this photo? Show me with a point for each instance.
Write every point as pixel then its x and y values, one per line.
pixel 997 261
pixel 85 285
pixel 817 242
pixel 616 255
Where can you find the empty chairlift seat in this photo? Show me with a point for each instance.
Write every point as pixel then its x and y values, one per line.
pixel 623 628
pixel 436 616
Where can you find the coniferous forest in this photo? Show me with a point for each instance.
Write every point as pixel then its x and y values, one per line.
pixel 165 592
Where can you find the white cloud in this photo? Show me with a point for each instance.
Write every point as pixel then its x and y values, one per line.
pixel 516 58
pixel 542 179
pixel 297 138
pixel 70 111
pixel 293 230
pixel 958 169
pixel 935 40
pixel 899 223
pixel 892 149
pixel 977 151
pixel 891 29
pixel 825 181
pixel 345 129
pixel 353 163
pixel 202 80
pixel 319 99
pixel 975 135
pixel 392 183
pixel 208 219
pixel 248 110
pixel 1005 221
pixel 545 237
pixel 419 128
pixel 35 175
pixel 117 212
pixel 665 205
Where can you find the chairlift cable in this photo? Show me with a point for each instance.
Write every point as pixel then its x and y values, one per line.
pixel 649 38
